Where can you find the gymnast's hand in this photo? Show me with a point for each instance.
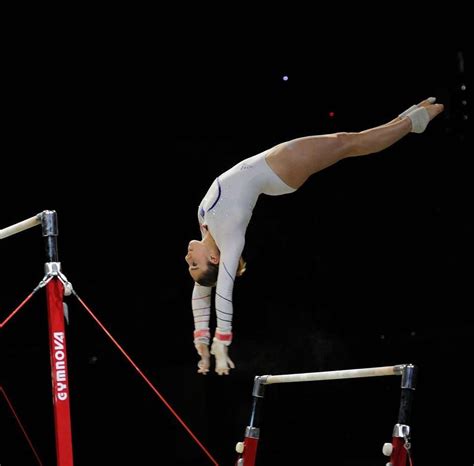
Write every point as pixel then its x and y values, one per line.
pixel 204 363
pixel 223 362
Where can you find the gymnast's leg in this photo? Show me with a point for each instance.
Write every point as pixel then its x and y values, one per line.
pixel 296 160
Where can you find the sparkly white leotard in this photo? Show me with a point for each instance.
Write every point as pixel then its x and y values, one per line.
pixel 226 210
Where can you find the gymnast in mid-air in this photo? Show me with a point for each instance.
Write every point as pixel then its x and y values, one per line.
pixel 224 213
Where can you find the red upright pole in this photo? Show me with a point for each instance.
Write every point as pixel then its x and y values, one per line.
pixel 59 374
pixel 55 282
pixel 400 449
pixel 57 342
pixel 248 448
pixel 399 452
pixel 249 455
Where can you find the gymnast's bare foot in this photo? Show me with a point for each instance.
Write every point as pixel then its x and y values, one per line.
pixel 431 107
pixel 205 361
pixel 421 114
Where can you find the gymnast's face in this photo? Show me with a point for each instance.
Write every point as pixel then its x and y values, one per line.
pixel 198 257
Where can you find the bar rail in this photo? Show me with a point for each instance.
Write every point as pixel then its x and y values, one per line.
pixel 21 226
pixel 333 375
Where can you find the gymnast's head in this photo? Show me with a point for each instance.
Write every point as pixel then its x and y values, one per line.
pixel 203 263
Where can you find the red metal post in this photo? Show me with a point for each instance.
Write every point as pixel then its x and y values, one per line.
pixel 250 451
pixel 399 452
pixel 59 374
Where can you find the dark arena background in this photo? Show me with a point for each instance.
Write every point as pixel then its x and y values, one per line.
pixel 369 264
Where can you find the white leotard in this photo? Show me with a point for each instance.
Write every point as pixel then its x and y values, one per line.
pixel 225 211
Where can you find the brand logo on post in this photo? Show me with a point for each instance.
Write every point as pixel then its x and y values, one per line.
pixel 60 366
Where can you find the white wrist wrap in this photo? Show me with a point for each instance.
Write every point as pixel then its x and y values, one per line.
pixel 223 337
pixel 419 119
pixel 202 336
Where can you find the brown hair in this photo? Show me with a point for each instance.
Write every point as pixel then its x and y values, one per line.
pixel 242 267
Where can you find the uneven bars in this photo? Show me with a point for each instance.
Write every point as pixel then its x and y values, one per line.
pixel 20 226
pixel 332 375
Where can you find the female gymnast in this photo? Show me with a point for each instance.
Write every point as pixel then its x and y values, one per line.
pixel 225 211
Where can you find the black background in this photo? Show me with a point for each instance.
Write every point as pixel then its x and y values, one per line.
pixel 369 264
